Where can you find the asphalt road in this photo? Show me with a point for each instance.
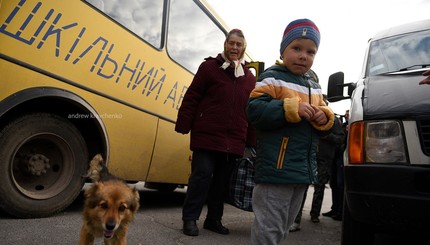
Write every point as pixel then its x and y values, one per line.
pixel 158 222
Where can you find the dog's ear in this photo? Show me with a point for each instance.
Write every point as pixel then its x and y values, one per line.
pixel 92 198
pixel 135 201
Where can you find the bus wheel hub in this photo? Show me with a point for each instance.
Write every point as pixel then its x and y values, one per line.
pixel 38 164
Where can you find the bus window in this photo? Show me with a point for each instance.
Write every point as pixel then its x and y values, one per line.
pixel 192 35
pixel 143 17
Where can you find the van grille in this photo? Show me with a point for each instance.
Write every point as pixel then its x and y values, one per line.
pixel 423 125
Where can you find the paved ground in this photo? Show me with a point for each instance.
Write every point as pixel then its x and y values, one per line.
pixel 158 222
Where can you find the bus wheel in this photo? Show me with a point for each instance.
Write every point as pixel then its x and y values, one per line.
pixel 43 158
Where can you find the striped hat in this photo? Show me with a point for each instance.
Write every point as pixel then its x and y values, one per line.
pixel 301 28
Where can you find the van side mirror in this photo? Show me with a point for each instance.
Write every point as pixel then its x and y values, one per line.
pixel 336 85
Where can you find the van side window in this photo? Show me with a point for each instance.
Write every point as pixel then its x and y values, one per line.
pixel 192 35
pixel 143 17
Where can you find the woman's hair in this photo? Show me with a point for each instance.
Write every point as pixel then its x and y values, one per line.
pixel 238 33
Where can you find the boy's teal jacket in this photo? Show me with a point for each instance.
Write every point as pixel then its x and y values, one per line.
pixel 286 144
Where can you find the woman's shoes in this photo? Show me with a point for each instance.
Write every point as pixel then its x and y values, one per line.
pixel 190 228
pixel 215 226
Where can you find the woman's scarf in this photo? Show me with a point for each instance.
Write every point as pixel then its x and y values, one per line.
pixel 238 69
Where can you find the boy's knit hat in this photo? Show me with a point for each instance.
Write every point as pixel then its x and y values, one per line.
pixel 300 28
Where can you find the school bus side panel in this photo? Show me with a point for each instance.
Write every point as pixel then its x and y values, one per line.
pixel 94 53
pixel 124 126
pixel 170 167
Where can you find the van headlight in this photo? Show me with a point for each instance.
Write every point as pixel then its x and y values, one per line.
pixel 384 142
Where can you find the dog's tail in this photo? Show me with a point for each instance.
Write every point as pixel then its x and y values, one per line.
pixel 97 170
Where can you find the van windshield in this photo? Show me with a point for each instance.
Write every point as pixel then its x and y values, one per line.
pixel 398 53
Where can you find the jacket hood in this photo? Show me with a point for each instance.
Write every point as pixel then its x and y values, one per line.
pixel 396 96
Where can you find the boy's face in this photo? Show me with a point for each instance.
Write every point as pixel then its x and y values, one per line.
pixel 299 55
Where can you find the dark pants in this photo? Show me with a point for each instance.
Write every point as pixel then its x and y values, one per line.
pixel 324 172
pixel 209 181
pixel 337 184
pixel 298 218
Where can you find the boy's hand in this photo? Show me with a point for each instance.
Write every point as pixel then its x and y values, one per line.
pixel 319 116
pixel 306 111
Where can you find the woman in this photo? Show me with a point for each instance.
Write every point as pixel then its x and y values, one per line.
pixel 213 109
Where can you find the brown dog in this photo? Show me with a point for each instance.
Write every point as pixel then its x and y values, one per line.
pixel 110 204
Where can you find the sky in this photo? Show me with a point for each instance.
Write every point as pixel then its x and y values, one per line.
pixel 345 27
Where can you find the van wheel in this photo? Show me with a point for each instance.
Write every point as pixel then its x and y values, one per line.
pixel 43 158
pixel 354 232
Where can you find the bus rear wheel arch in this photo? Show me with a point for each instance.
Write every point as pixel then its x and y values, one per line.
pixel 43 160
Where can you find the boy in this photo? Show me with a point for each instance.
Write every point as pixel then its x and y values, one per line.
pixel 288 111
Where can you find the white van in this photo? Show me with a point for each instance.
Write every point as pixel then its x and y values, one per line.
pixel 387 160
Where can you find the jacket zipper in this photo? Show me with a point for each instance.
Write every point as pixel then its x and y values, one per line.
pixel 310 146
pixel 282 152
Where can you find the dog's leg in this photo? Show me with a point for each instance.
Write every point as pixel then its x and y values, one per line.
pixel 116 241
pixel 86 238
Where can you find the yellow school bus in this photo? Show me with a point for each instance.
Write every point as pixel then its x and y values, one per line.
pixel 79 78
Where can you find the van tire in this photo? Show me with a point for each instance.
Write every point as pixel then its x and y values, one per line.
pixel 43 159
pixel 355 232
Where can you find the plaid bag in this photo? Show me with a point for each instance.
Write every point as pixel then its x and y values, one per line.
pixel 242 181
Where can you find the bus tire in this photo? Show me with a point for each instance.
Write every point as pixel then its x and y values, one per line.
pixel 43 158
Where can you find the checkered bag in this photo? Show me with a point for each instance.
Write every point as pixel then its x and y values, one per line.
pixel 242 181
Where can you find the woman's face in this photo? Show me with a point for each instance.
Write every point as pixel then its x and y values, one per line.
pixel 234 47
